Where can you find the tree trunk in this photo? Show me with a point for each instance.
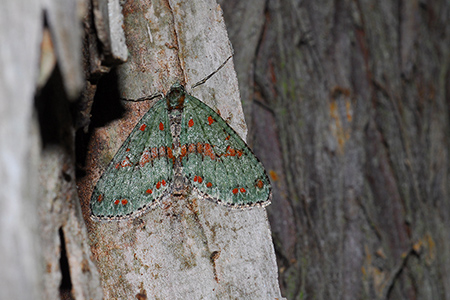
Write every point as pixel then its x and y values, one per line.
pixel 186 248
pixel 348 108
pixel 357 100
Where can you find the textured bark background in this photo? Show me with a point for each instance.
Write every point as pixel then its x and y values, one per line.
pixel 347 104
pixel 349 109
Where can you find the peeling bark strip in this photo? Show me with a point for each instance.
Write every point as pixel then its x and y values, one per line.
pixel 166 254
pixel 180 139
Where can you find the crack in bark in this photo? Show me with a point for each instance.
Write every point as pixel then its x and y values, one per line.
pixel 395 274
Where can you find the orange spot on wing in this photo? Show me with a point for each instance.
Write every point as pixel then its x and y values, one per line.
pixel 209 184
pixel 127 163
pixel 230 151
pixel 199 147
pixel 227 138
pixel 100 198
pixel 183 150
pixel 149 191
pixel 210 120
pixel 200 180
pixel 142 128
pixel 191 148
pixel 124 201
pixel 191 123
pixel 116 202
pixel 163 182
pixel 124 163
pixel 128 150
pixel 235 191
pixel 169 153
pixel 158 185
pixel 259 184
pixel 161 126
pixel 207 150
pixel 162 151
pixel 242 190
pixel 145 158
pixel 195 178
pixel 154 152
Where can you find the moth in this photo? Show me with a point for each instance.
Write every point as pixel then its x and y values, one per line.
pixel 180 144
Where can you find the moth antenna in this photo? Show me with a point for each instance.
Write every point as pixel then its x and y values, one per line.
pixel 146 98
pixel 212 74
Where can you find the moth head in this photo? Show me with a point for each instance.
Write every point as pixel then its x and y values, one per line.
pixel 175 97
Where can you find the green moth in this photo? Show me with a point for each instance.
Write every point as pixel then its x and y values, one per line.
pixel 180 144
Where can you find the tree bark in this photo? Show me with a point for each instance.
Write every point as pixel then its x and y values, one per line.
pixel 355 101
pixel 186 248
pixel 43 238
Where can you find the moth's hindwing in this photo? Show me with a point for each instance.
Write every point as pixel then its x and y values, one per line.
pixel 141 171
pixel 217 162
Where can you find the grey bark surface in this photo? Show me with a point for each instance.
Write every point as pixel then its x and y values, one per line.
pixel 41 213
pixel 19 259
pixel 108 20
pixel 357 92
pixel 184 248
